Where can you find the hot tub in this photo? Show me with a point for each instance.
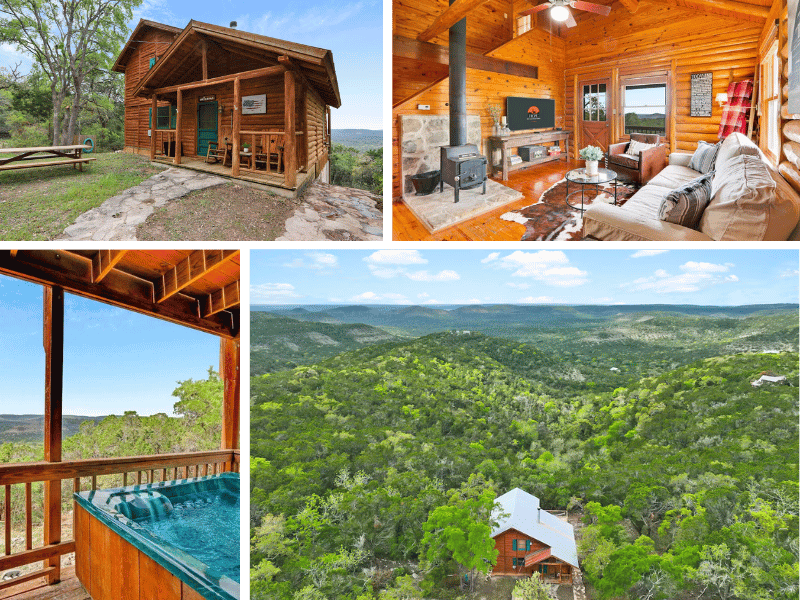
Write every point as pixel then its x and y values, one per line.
pixel 172 540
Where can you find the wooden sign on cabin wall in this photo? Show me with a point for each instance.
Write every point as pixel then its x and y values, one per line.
pixel 702 91
pixel 794 57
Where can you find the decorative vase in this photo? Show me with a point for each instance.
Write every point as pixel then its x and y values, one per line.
pixel 496 130
pixel 591 167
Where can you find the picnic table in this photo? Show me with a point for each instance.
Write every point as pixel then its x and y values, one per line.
pixel 70 155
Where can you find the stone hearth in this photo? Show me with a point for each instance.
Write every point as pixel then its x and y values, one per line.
pixel 421 136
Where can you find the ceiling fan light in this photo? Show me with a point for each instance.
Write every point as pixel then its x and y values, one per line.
pixel 559 13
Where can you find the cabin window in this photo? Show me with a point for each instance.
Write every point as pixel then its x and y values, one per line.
pixel 523 24
pixel 594 102
pixel 645 106
pixel 152 62
pixel 514 545
pixel 771 100
pixel 527 545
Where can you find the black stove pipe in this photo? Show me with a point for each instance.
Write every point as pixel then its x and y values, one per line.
pixel 458 82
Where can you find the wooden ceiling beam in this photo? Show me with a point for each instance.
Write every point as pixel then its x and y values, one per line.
pixel 223 299
pixel 451 15
pixel 74 274
pixel 433 53
pixel 740 9
pixel 631 5
pixel 195 266
pixel 103 262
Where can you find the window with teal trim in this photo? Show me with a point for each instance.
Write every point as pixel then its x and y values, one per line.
pixel 152 62
pixel 514 545
pixel 527 545
pixel 514 562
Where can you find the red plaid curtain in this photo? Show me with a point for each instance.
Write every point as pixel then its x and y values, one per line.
pixel 737 110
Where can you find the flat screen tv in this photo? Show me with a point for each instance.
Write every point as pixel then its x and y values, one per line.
pixel 530 113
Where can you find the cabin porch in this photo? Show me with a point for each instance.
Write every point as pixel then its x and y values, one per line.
pixel 197 289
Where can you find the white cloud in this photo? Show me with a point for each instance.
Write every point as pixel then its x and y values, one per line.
pixel 294 24
pixel 396 257
pixel 387 264
pixel 423 295
pixel 491 257
pixel 374 297
pixel 445 275
pixel 431 301
pixel 704 267
pixel 790 273
pixel 319 261
pixel 696 276
pixel 473 301
pixel 642 253
pixel 365 297
pixel 518 286
pixel 548 266
pixel 272 293
pixel 537 300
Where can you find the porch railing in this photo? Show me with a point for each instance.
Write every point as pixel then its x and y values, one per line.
pixel 165 141
pixel 272 145
pixel 116 471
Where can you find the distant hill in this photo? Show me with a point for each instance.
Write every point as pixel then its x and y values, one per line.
pixel 280 343
pixel 30 428
pixel 360 139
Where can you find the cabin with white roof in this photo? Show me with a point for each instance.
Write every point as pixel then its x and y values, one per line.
pixel 531 541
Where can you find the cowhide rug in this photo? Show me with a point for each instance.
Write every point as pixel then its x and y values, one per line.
pixel 552 219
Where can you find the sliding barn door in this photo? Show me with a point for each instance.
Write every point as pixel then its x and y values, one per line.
pixel 595 120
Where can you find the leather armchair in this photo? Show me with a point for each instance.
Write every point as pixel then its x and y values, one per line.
pixel 642 169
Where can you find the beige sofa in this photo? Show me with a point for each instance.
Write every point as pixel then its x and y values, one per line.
pixel 750 201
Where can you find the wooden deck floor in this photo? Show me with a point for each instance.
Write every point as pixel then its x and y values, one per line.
pixel 68 589
pixel 488 227
pixel 262 177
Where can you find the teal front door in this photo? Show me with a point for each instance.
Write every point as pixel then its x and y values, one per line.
pixel 206 126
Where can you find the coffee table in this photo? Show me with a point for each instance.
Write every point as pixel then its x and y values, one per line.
pixel 580 177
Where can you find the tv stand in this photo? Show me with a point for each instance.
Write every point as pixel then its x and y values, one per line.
pixel 505 142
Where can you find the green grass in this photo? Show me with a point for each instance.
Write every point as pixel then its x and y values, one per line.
pixel 38 204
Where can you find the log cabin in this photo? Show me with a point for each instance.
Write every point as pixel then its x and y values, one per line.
pixel 531 541
pixel 650 71
pixel 217 99
pixel 198 289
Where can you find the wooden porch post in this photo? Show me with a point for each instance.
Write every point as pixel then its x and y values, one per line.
pixel 237 102
pixel 290 151
pixel 177 160
pixel 153 117
pixel 53 334
pixel 229 371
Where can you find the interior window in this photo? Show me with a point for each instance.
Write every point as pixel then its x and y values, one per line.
pixel 594 102
pixel 523 24
pixel 645 107
pixel 771 102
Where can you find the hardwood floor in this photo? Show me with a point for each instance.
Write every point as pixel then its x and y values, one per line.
pixel 69 588
pixel 488 227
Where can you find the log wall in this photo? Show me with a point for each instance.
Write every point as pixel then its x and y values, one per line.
pixel 317 146
pixel 505 562
pixel 155 42
pixel 664 40
pixel 483 88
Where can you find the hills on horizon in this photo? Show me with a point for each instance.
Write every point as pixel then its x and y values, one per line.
pixel 360 139
pixel 30 428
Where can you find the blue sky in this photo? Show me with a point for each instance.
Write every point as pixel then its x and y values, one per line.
pixel 351 29
pixel 114 359
pixel 707 277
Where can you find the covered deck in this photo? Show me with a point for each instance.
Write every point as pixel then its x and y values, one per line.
pixel 197 289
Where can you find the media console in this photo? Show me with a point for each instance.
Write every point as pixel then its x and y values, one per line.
pixel 505 142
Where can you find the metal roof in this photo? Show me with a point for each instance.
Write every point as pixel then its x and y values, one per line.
pixel 524 514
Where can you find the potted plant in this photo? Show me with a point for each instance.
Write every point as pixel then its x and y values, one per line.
pixel 591 154
pixel 246 147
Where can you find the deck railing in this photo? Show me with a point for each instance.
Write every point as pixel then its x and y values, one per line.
pixel 165 136
pixel 272 145
pixel 116 471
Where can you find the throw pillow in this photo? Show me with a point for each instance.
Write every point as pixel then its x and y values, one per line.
pixel 685 205
pixel 635 148
pixel 704 157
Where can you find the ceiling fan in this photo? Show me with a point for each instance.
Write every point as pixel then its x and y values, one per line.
pixel 560 10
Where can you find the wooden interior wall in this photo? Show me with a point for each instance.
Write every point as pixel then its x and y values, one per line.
pixel 154 43
pixel 483 88
pixel 666 39
pixel 789 123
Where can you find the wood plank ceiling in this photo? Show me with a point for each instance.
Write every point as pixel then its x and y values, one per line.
pixel 195 288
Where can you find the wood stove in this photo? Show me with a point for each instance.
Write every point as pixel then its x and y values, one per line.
pixel 463 167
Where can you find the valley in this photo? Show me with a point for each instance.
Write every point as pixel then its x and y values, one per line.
pixel 367 422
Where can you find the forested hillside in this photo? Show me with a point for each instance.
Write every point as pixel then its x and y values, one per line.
pixel 685 473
